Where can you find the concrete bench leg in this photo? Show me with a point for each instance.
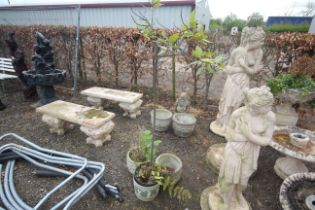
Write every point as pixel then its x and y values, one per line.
pixel 131 110
pixel 98 136
pixel 56 125
pixel 95 102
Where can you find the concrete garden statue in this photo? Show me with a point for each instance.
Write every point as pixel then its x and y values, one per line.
pixel 182 103
pixel 249 128
pixel 244 62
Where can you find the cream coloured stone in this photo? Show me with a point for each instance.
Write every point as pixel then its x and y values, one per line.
pixel 249 128
pixel 131 110
pixel 95 123
pixel 215 155
pixel 130 102
pixel 112 94
pixel 244 63
pixel 96 102
pixel 97 133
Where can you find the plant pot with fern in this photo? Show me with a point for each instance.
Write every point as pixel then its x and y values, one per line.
pixel 149 177
pixel 141 152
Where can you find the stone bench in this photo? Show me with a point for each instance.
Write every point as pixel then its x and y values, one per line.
pixel 130 102
pixel 61 115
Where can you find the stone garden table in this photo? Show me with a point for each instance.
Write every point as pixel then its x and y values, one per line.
pixel 295 156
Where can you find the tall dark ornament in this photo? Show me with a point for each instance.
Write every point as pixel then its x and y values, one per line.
pixel 19 66
pixel 44 75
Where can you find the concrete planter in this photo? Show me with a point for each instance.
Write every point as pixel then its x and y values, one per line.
pixel 144 191
pixel 172 161
pixel 183 124
pixel 163 119
pixel 132 165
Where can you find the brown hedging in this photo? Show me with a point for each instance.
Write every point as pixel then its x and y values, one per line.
pixel 99 48
pixel 295 52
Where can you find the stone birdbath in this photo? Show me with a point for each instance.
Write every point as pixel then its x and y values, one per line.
pixel 44 74
pixel 298 146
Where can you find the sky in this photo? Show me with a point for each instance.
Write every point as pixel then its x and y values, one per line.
pixel 244 8
pixel 218 8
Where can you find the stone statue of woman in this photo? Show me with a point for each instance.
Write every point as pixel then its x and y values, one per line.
pixel 244 62
pixel 249 128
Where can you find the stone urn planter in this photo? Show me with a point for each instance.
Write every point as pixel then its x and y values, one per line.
pixel 145 191
pixel 163 119
pixel 172 161
pixel 285 113
pixel 131 164
pixel 184 124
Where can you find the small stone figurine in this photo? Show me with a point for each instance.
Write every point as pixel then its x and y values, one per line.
pixel 182 103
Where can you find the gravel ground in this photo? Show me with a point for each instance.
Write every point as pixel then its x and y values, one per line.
pixel 20 118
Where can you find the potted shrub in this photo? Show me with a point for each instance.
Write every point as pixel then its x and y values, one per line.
pixel 149 177
pixel 141 153
pixel 291 88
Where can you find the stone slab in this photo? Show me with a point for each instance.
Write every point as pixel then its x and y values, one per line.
pixel 112 94
pixel 75 113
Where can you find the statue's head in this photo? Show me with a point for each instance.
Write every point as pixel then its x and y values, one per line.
pixel 259 100
pixel 252 36
pixel 11 43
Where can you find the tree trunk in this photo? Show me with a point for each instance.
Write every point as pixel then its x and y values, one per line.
pixel 173 75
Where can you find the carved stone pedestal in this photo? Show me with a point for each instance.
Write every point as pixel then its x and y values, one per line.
pixel 95 102
pixel 56 125
pixel 210 200
pixel 98 136
pixel 287 166
pixel 215 155
pixel 131 110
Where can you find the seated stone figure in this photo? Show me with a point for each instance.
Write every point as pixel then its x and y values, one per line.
pixel 182 103
pixel 249 128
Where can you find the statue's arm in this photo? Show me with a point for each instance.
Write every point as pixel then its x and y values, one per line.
pixel 262 140
pixel 231 134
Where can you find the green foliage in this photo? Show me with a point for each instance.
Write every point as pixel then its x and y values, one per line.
pixel 216 25
pixel 207 61
pixel 288 28
pixel 156 3
pixel 283 82
pixel 169 184
pixel 311 103
pixel 145 141
pixel 193 31
pixel 231 21
pixel 255 20
pixel 143 150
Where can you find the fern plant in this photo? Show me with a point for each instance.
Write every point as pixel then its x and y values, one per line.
pixel 169 184
pixel 152 173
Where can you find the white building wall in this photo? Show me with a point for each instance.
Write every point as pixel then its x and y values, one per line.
pixel 166 16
